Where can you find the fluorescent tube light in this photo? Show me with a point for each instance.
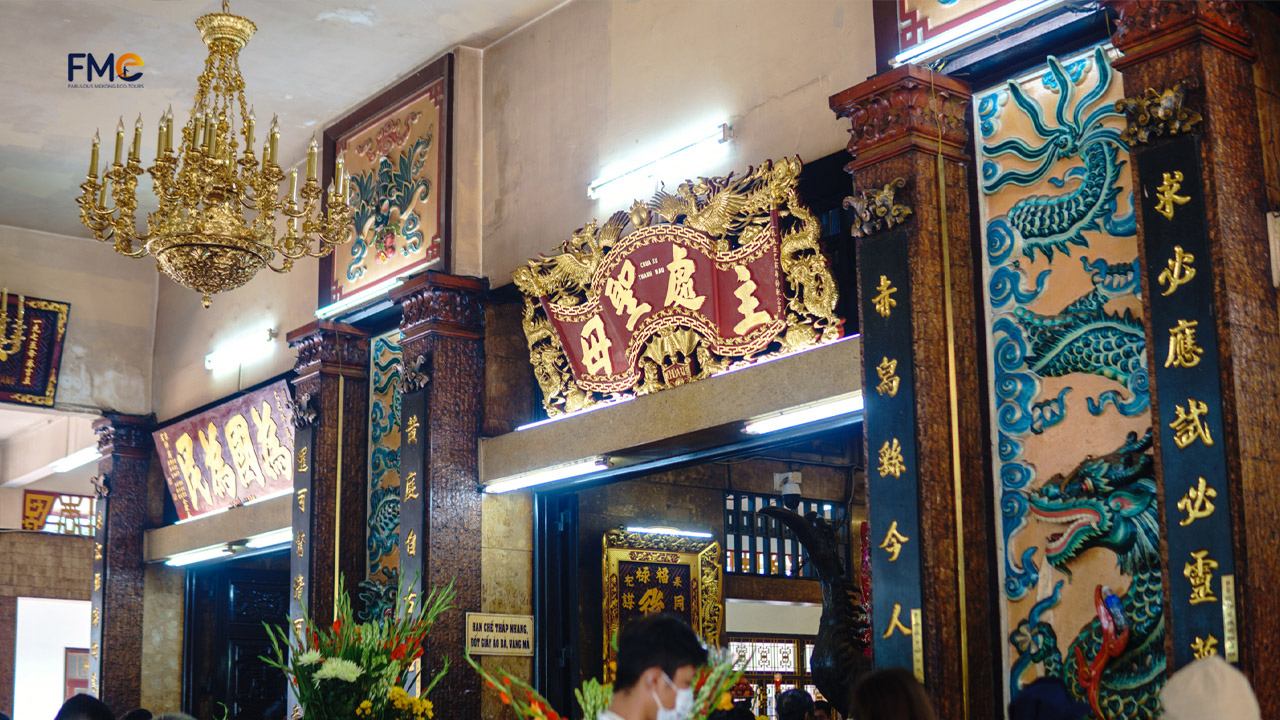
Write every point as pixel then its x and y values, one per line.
pixel 667 163
pixel 74 460
pixel 546 475
pixel 576 413
pixel 240 351
pixel 975 30
pixel 268 539
pixel 668 531
pixel 357 299
pixel 195 556
pixel 813 412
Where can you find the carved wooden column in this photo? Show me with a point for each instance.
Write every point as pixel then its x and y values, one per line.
pixel 115 645
pixel 924 424
pixel 331 395
pixel 442 341
pixel 1202 239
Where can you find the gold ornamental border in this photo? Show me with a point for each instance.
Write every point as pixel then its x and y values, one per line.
pixel 734 220
pixel 51 388
pixel 706 579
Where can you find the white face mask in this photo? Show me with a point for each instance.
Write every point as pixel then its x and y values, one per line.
pixel 684 702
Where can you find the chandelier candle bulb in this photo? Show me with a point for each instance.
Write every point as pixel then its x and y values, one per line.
pixel 160 137
pixel 248 134
pixel 275 139
pixel 119 140
pixel 136 150
pixel 93 156
pixel 293 186
pixel 311 159
pixel 168 129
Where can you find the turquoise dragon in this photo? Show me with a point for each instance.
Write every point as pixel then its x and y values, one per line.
pixel 1085 337
pixel 1115 663
pixel 1046 223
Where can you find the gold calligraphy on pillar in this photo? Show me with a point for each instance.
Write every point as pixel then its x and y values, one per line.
pixel 891 461
pixel 883 301
pixel 1167 194
pixel 896 624
pixel 302 459
pixel 1200 572
pixel 887 372
pixel 1180 271
pixel 893 541
pixel 411 487
pixel 1183 350
pixel 302 499
pixel 298 586
pixel 411 543
pixel 300 542
pixel 1197 503
pixel 1204 647
pixel 1188 425
pixel 411 430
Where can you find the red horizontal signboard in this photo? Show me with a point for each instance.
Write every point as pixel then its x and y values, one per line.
pixel 665 277
pixel 237 452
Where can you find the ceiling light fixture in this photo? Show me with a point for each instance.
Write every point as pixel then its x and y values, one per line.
pixel 982 27
pixel 76 459
pixel 191 557
pixel 241 351
pixel 668 531
pixel 668 163
pixel 270 539
pixel 805 414
pixel 199 235
pixel 547 475
pixel 357 299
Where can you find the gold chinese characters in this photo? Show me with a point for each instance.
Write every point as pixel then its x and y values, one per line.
pixel 887 372
pixel 891 461
pixel 893 541
pixel 1197 503
pixel 1167 194
pixel 1188 425
pixel 883 301
pixel 1180 271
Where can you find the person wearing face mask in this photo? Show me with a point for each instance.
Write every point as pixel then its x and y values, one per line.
pixel 658 660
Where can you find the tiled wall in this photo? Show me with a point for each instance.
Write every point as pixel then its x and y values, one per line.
pixel 506 585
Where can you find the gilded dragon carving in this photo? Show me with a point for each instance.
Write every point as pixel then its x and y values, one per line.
pixel 733 212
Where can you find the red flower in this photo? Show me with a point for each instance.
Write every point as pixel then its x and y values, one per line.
pixel 505 698
pixel 490 684
pixel 506 681
pixel 551 714
pixel 398 653
pixel 337 625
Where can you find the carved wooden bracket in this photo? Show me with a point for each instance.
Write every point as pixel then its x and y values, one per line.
pixel 414 376
pixel 1158 113
pixel 878 209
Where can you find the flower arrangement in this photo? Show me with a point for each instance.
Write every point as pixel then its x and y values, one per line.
pixel 711 691
pixel 359 670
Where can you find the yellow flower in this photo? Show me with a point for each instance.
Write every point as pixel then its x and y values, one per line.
pixel 726 702
pixel 365 709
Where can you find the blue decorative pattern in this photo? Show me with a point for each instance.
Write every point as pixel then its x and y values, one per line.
pixel 377 592
pixel 385 208
pixel 1073 146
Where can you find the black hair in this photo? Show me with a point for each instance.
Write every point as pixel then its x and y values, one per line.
pixel 822 706
pixel 137 714
pixel 661 640
pixel 794 705
pixel 84 707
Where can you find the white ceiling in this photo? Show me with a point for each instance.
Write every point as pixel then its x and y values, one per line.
pixel 311 61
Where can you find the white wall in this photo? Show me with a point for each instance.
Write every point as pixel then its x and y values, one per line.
pixel 46 628
pixel 762 616
pixel 596 81
pixel 106 358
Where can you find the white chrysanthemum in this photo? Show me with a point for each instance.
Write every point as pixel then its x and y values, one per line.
pixel 339 669
pixel 310 657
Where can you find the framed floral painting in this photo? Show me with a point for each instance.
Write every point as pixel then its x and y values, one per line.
pixel 397 149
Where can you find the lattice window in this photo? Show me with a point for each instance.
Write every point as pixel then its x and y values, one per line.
pixel 759 545
pixel 58 513
pixel 770 667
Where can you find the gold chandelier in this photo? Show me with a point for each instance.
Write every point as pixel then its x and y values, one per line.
pixel 200 235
